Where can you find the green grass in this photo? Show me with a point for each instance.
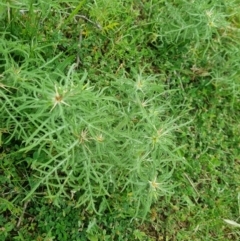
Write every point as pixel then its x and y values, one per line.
pixel 119 120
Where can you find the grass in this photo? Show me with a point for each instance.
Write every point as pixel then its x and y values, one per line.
pixel 119 120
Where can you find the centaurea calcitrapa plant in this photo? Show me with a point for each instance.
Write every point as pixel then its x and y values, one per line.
pixel 85 145
pixel 101 146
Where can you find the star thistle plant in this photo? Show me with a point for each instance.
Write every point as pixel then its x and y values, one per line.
pixel 92 138
pixel 88 137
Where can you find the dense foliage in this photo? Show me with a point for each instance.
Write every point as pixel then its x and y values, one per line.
pixel 119 120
